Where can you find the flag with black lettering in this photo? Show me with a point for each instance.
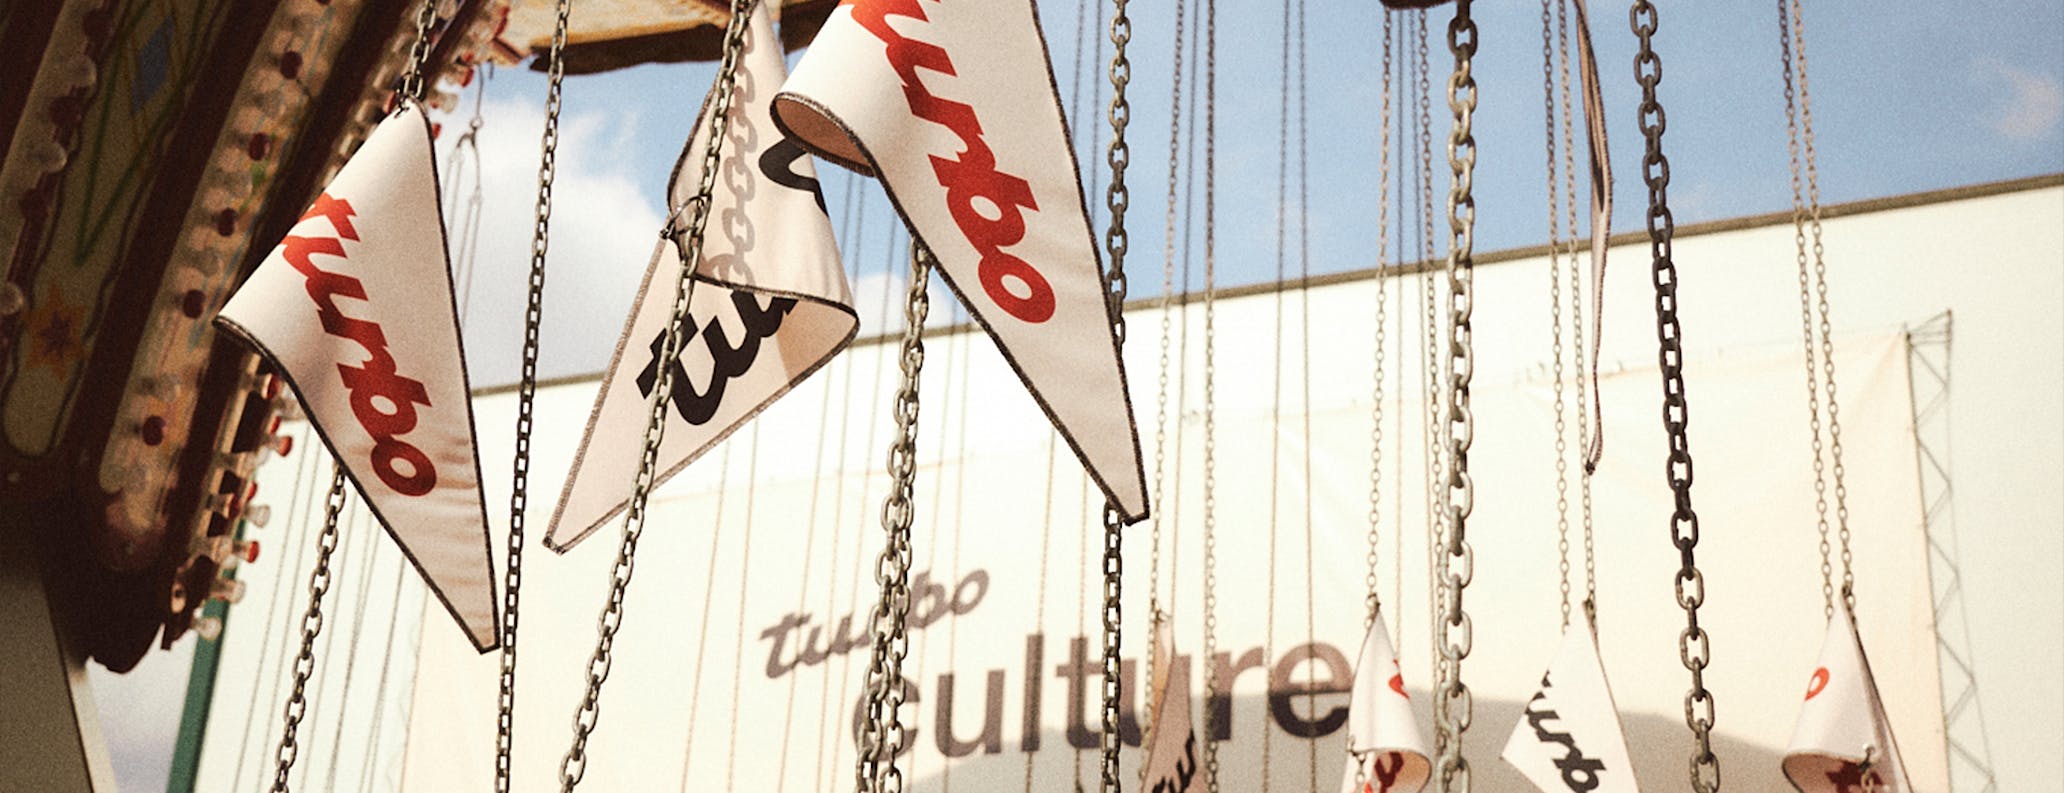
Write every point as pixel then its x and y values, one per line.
pixel 1386 753
pixel 1171 765
pixel 355 308
pixel 1568 737
pixel 768 305
pixel 1842 742
pixel 952 105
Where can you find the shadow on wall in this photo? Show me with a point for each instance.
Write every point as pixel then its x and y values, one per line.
pixel 1660 747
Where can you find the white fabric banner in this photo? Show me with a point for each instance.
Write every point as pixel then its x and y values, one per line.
pixel 768 304
pixel 1843 742
pixel 1382 731
pixel 1172 744
pixel 1568 737
pixel 355 308
pixel 953 106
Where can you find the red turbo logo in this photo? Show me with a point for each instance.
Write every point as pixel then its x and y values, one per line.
pixel 973 176
pixel 374 381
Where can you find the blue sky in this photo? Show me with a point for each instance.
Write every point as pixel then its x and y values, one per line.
pixel 1921 97
pixel 1917 97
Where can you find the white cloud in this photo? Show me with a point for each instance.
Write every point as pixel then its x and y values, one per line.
pixel 602 234
pixel 2033 102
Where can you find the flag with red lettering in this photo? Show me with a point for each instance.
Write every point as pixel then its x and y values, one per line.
pixel 1171 765
pixel 1385 751
pixel 1842 742
pixel 952 105
pixel 768 303
pixel 1568 737
pixel 355 308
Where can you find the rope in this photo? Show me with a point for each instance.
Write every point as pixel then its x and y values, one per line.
pixel 752 478
pixel 809 559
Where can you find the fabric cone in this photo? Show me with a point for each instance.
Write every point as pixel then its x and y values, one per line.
pixel 355 309
pixel 1386 751
pixel 768 304
pixel 1842 742
pixel 952 105
pixel 1568 738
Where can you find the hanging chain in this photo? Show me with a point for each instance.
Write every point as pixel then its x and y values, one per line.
pixel 1375 603
pixel 311 625
pixel 1693 645
pixel 1805 214
pixel 882 734
pixel 1576 301
pixel 1117 199
pixel 1454 632
pixel 1429 288
pixel 526 395
pixel 1167 320
pixel 1211 681
pixel 575 765
pixel 414 84
pixel 1555 324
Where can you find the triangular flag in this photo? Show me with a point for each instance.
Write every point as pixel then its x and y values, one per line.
pixel 953 106
pixel 768 305
pixel 1842 742
pixel 1385 751
pixel 355 309
pixel 1568 738
pixel 1171 765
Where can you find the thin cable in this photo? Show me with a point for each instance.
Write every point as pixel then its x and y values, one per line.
pixel 709 589
pixel 1211 681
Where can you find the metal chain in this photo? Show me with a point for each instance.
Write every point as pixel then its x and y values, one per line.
pixel 1117 198
pixel 1805 213
pixel 1375 603
pixel 1431 368
pixel 413 83
pixel 311 625
pixel 1167 320
pixel 1211 681
pixel 1454 632
pixel 1576 301
pixel 1694 647
pixel 1555 324
pixel 526 395
pixel 882 734
pixel 575 765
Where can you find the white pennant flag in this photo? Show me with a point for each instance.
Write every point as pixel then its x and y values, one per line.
pixel 1171 765
pixel 768 305
pixel 355 308
pixel 953 106
pixel 1842 742
pixel 1568 738
pixel 1386 752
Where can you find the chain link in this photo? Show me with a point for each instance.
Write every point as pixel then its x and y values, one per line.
pixel 574 767
pixel 1375 599
pixel 1576 302
pixel 1117 199
pixel 1555 323
pixel 1454 632
pixel 526 395
pixel 882 734
pixel 1813 296
pixel 311 625
pixel 1167 318
pixel 1694 647
pixel 414 85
